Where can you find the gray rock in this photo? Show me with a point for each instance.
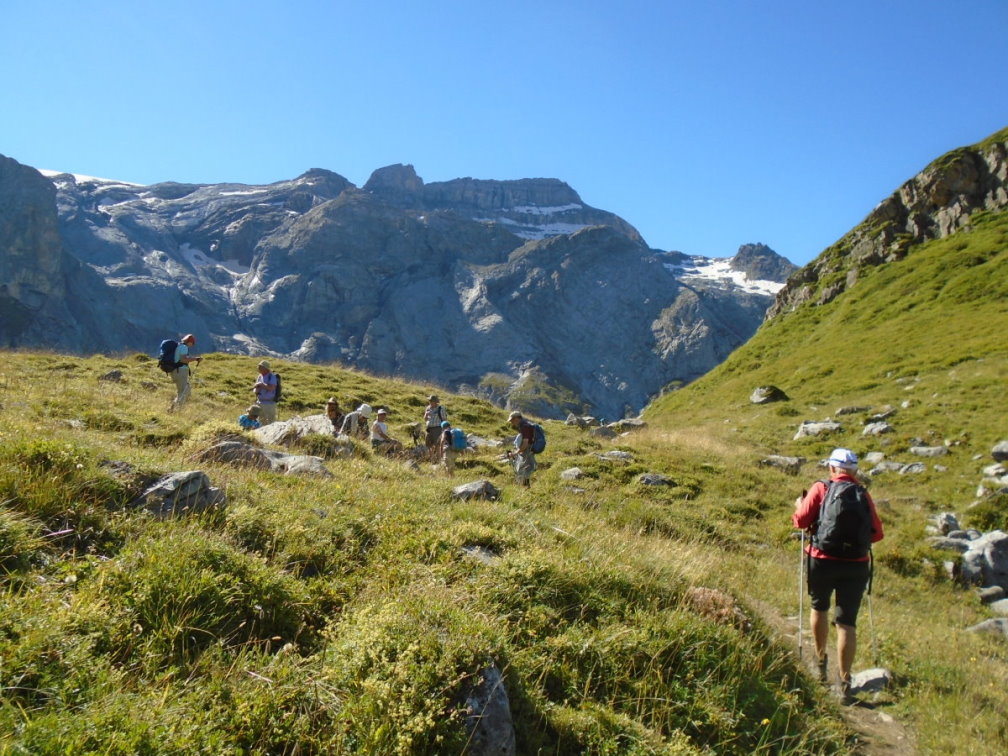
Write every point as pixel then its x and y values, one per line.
pixel 480 554
pixel 478 442
pixel 850 410
pixel 871 680
pixel 790 465
pixel 572 473
pixel 999 607
pixel 615 455
pixel 478 489
pixel 241 454
pixel 991 593
pixel 949 544
pixel 655 479
pixel 603 432
pixel 873 458
pixel 995 471
pixel 628 424
pixel 884 467
pixel 1000 451
pixel 767 394
pixel 946 522
pixel 181 493
pixel 990 554
pixel 877 429
pixel 997 626
pixel 929 451
pixel 113 376
pixel 914 468
pixel 811 429
pixel 884 413
pixel 488 717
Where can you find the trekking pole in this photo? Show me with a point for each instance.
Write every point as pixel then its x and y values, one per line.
pixel 801 592
pixel 871 612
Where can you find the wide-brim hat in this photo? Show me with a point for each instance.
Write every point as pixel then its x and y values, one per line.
pixel 265 365
pixel 365 409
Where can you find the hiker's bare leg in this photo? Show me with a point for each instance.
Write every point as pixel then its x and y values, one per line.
pixel 846 648
pixel 819 622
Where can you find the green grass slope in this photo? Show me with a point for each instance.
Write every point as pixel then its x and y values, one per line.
pixel 348 614
pixel 924 335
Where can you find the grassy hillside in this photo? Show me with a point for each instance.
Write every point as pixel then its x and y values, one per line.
pixel 349 615
pixel 345 615
pixel 924 335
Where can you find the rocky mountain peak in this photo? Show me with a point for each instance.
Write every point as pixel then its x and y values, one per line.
pixel 935 203
pixel 395 180
pixel 760 263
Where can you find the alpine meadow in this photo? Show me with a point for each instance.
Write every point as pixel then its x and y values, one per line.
pixel 647 603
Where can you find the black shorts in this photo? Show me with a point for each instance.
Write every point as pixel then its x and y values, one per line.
pixel 847 579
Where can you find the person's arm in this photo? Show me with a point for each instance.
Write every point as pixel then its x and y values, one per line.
pixel 877 533
pixel 526 433
pixel 807 508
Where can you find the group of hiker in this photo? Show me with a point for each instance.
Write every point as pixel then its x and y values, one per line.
pixel 838 514
pixel 443 443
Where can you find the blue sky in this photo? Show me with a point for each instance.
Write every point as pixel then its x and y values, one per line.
pixel 705 124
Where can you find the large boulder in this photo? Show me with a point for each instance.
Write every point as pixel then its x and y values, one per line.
pixel 180 493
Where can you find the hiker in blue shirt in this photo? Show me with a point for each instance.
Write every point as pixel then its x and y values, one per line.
pixel 180 375
pixel 250 420
pixel 265 390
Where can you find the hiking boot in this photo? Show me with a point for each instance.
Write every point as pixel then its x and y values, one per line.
pixel 823 668
pixel 846 696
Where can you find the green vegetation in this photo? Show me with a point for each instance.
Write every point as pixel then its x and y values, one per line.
pixel 349 615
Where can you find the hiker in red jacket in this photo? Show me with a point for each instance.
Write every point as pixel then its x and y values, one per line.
pixel 838 554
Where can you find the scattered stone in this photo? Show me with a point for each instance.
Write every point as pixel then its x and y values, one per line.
pixel 655 479
pixel 572 473
pixel 790 465
pixel 180 493
pixel 574 420
pixel 287 432
pixel 603 432
pixel 1000 451
pixel 997 626
pixel 480 554
pixel 913 468
pixel 946 522
pixel 615 456
pixel 877 429
pixel 884 413
pixel 884 467
pixel 243 454
pixel 873 458
pixel 986 561
pixel 995 470
pixel 851 410
pixel 488 717
pixel 478 442
pixel 871 680
pixel 810 428
pixel 478 489
pixel 628 424
pixel 999 607
pixel 944 543
pixel 767 394
pixel 113 376
pixel 929 451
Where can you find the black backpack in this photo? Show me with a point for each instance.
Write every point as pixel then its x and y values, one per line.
pixel 166 355
pixel 276 396
pixel 844 529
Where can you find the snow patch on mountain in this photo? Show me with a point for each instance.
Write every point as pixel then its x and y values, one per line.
pixel 719 270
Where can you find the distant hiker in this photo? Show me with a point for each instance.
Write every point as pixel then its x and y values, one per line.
pixel 843 522
pixel 355 424
pixel 250 420
pixel 434 414
pixel 180 373
pixel 523 458
pixel 265 389
pixel 335 414
pixel 448 450
pixel 381 441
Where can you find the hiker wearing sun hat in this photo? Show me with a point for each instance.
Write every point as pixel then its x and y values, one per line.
pixel 356 423
pixel 843 522
pixel 265 389
pixel 250 420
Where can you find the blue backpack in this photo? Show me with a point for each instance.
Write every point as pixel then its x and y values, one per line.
pixel 538 438
pixel 458 439
pixel 166 355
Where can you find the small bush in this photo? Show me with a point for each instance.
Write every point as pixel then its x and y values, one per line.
pixel 990 514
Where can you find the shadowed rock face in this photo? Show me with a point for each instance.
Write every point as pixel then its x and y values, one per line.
pixel 513 289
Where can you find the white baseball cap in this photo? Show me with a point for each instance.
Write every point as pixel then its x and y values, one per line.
pixel 843 458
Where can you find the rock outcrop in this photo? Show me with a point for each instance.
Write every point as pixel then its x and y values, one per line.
pixel 938 201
